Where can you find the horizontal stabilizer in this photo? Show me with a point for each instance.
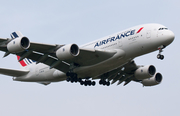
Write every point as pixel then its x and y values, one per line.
pixel 13 72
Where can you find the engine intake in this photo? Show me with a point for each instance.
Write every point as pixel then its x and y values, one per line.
pixel 145 72
pixel 18 45
pixel 155 80
pixel 67 52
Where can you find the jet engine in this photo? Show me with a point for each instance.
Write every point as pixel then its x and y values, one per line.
pixel 145 72
pixel 18 45
pixel 67 52
pixel 155 80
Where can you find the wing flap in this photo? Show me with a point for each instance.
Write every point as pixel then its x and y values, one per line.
pixel 48 60
pixel 44 48
pixel 124 73
pixel 13 72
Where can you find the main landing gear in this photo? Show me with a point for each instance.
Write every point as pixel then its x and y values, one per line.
pixel 159 56
pixel 88 82
pixel 104 82
pixel 72 77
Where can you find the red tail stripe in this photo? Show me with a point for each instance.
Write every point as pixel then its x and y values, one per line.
pixel 140 29
pixel 21 62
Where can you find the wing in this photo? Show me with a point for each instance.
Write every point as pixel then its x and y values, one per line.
pixel 12 72
pixel 124 73
pixel 86 56
pixel 46 53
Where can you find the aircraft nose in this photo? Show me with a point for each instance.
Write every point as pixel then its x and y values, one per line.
pixel 169 37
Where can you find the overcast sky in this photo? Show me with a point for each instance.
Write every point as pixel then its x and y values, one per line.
pixel 82 21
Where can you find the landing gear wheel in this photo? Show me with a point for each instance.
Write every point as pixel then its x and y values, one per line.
pixel 82 82
pixel 73 78
pixel 162 57
pixel 104 82
pixel 68 79
pixel 108 83
pixel 100 82
pixel 79 79
pixel 85 83
pixel 93 83
pixel 72 81
pixel 159 56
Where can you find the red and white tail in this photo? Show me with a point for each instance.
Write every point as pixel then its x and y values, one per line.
pixel 25 62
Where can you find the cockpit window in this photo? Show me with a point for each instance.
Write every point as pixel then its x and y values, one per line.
pixel 163 28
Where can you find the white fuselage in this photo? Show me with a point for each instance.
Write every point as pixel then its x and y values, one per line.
pixel 128 44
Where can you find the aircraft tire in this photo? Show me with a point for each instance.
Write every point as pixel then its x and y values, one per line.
pixel 108 83
pixel 85 83
pixel 158 56
pixel 68 79
pixel 162 57
pixel 82 82
pixel 93 83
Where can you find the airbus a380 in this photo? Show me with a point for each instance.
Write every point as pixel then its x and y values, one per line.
pixel 109 59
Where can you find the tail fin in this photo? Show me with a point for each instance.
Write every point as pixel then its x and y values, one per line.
pixel 25 62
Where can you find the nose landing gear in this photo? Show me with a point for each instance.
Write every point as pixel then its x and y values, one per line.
pixel 159 56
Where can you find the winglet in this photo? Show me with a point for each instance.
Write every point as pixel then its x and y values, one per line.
pixel 16 34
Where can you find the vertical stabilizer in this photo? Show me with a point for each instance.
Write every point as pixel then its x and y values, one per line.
pixel 25 62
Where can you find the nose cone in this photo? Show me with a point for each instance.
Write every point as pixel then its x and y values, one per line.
pixel 169 37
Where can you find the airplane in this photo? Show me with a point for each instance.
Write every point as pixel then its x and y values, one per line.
pixel 109 59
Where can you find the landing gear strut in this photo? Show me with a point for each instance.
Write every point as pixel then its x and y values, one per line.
pixel 159 56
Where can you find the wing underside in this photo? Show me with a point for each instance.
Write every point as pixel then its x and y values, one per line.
pixel 124 73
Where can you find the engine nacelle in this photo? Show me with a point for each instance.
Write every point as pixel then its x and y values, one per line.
pixel 18 45
pixel 155 80
pixel 145 72
pixel 67 52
